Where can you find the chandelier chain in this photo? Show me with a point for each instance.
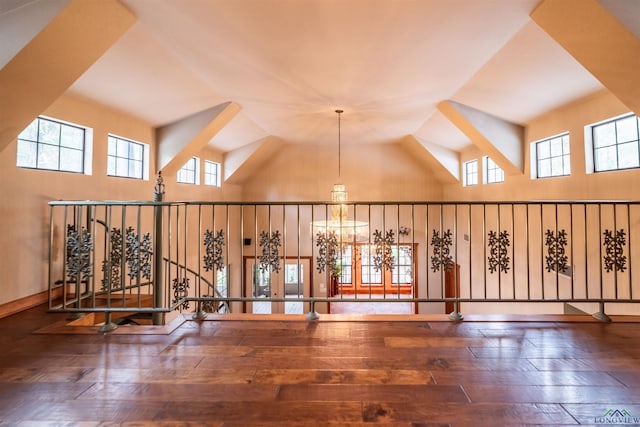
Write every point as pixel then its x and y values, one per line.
pixel 339 150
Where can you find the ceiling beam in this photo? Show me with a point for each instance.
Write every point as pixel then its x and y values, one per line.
pixel 177 142
pixel 598 41
pixel 501 140
pixel 240 164
pixel 441 161
pixel 58 55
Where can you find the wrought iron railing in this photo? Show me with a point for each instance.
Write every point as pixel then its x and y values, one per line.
pixel 531 257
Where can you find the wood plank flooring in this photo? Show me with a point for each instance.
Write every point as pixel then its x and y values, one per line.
pixel 295 373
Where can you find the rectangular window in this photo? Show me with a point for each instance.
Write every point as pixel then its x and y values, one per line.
pixel 190 172
pixel 211 173
pixel 615 144
pixel 369 274
pixel 222 291
pixel 221 281
pixel 358 272
pixel 553 157
pixel 126 158
pixel 471 173
pixel 402 273
pixel 54 145
pixel 345 266
pixel 492 172
pixel 293 274
pixel 261 281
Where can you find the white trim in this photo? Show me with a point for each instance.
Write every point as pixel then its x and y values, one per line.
pixel 145 157
pixel 218 173
pixel 196 172
pixel 465 177
pixel 534 155
pixel 87 160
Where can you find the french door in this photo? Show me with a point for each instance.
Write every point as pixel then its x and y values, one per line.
pixel 291 281
pixel 361 270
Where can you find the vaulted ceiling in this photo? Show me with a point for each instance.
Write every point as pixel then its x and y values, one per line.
pixel 288 64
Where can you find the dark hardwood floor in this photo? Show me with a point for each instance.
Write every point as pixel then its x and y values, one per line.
pixel 347 373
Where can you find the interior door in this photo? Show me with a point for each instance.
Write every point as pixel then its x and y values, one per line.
pixel 360 274
pixel 291 282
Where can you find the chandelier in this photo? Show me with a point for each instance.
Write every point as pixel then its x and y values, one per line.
pixel 339 224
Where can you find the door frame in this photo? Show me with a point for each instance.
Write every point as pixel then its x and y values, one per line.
pixel 386 287
pixel 247 285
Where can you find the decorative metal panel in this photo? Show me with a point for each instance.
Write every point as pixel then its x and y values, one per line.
pixel 213 306
pixel 383 258
pixel 270 244
pixel 498 250
pixel 208 306
pixel 79 246
pixel 328 252
pixel 441 251
pixel 614 243
pixel 213 243
pixel 112 278
pixel 138 254
pixel 556 242
pixel 180 291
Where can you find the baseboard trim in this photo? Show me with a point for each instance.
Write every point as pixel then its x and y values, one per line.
pixel 25 303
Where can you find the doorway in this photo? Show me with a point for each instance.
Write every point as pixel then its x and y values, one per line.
pixel 291 281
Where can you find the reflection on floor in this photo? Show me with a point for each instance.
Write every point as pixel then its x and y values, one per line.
pixel 264 307
pixel 347 305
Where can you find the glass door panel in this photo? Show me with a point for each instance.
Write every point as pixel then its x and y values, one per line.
pixel 291 282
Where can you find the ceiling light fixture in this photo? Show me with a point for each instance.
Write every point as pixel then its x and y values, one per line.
pixel 344 229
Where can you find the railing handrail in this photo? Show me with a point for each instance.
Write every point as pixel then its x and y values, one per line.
pixel 549 251
pixel 130 287
pixel 331 203
pixel 200 277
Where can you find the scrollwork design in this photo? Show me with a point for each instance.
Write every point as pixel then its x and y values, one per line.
pixel 138 254
pixel 213 306
pixel 213 243
pixel 79 246
pixel 556 259
pixel 111 266
pixel 270 244
pixel 180 291
pixel 328 251
pixel 441 251
pixel 499 244
pixel 383 258
pixel 614 242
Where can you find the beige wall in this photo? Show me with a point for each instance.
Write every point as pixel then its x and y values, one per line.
pixel 579 185
pixel 179 191
pixel 377 172
pixel 25 193
pixel 371 173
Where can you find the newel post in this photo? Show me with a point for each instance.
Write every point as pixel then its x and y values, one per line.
pixel 158 196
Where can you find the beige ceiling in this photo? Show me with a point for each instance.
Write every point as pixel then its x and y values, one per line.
pixel 290 63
